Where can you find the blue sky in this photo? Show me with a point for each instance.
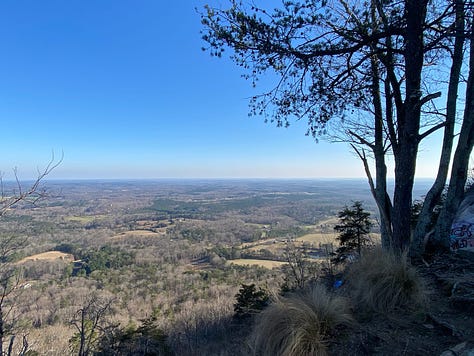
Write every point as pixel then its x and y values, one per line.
pixel 124 90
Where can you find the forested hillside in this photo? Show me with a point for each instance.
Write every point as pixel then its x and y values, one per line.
pixel 162 254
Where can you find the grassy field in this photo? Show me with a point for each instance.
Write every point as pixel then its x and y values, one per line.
pixel 276 245
pixel 48 256
pixel 317 238
pixel 330 221
pixel 84 219
pixel 262 263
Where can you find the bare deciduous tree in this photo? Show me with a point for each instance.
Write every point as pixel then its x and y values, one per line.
pixel 90 322
pixel 11 282
pixel 299 269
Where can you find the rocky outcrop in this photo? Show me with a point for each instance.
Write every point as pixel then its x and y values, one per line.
pixel 462 229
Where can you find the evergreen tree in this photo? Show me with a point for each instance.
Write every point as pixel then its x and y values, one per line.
pixel 354 227
pixel 250 301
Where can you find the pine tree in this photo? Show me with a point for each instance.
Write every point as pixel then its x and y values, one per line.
pixel 354 227
pixel 250 301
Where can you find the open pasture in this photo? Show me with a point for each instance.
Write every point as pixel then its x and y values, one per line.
pixel 254 262
pixel 49 256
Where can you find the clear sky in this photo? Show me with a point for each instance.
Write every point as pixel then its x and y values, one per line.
pixel 124 90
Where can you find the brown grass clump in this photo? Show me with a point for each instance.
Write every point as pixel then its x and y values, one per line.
pixel 384 282
pixel 300 324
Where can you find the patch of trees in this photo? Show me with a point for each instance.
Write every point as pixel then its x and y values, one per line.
pixel 146 339
pixel 261 254
pixel 306 212
pixel 67 248
pixel 196 234
pixel 106 257
pixel 176 209
pixel 229 253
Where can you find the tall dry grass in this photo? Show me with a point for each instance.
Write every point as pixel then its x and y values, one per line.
pixel 383 281
pixel 300 324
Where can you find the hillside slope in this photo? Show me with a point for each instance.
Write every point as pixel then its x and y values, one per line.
pixel 445 328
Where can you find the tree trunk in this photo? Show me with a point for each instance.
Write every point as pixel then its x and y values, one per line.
pixel 433 196
pixel 408 124
pixel 402 198
pixel 459 169
pixel 380 190
pixel 82 341
pixel 10 345
pixel 2 331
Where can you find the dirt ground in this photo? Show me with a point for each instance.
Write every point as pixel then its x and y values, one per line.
pixel 445 327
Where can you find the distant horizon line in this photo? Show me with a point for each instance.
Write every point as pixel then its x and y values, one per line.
pixel 46 179
pixel 218 178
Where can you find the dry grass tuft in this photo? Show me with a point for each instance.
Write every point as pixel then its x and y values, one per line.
pixel 384 282
pixel 300 324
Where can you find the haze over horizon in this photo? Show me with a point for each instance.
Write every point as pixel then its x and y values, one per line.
pixel 125 91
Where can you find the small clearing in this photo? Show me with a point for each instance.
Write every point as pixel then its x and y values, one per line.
pixel 87 219
pixel 318 238
pixel 49 256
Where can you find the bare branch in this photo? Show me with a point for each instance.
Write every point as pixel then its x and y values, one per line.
pixel 431 130
pixel 363 158
pixel 361 139
pixel 32 192
pixel 429 97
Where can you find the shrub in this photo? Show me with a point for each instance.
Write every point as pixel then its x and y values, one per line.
pixel 383 281
pixel 301 323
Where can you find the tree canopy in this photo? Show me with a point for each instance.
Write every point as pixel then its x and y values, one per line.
pixel 381 75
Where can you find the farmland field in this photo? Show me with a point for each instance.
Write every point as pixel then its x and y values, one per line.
pixel 48 256
pixel 318 238
pixel 253 262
